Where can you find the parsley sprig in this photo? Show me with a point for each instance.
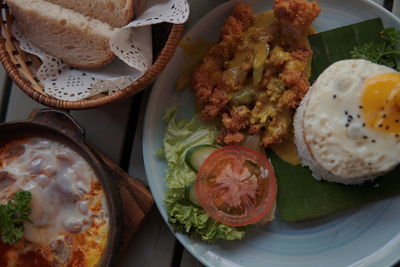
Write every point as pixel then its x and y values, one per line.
pixel 385 53
pixel 13 215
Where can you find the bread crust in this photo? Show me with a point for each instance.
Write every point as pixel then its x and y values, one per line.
pixel 79 41
pixel 110 12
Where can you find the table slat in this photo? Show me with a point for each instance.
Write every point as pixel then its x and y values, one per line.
pixel 20 105
pixel 189 261
pixel 154 244
pixel 136 165
pixel 396 7
pixel 106 127
pixel 380 2
pixel 4 80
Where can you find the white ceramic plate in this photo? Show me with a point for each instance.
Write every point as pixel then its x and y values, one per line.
pixel 365 236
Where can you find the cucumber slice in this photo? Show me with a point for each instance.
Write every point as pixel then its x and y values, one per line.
pixel 190 195
pixel 196 155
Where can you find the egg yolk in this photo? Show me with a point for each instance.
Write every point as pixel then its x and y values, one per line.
pixel 380 103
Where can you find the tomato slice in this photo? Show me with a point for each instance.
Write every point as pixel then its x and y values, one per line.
pixel 236 186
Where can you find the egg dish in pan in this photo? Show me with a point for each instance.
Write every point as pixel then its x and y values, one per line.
pixel 68 222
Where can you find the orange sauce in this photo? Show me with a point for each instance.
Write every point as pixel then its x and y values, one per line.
pixel 287 151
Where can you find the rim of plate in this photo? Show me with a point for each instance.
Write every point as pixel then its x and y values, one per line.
pixel 377 257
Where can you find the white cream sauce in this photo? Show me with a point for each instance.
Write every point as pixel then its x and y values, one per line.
pixel 58 179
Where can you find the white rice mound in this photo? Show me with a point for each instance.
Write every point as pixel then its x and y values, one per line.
pixel 306 156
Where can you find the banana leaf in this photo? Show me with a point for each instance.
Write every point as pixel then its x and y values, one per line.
pixel 334 45
pixel 300 196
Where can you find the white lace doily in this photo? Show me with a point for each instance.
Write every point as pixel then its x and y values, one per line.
pixel 132 45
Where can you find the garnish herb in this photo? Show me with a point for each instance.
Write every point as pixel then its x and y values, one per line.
pixel 385 53
pixel 13 215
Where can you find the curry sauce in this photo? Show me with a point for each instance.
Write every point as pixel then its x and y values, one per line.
pixel 253 79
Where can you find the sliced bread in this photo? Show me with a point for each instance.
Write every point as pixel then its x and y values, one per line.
pixel 78 40
pixel 116 13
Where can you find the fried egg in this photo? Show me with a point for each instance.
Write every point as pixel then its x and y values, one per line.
pixel 347 127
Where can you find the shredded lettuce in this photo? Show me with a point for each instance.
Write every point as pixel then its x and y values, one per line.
pixel 180 136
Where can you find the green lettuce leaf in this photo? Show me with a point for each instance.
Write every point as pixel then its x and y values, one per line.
pixel 180 136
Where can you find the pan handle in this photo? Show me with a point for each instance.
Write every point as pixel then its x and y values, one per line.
pixel 60 121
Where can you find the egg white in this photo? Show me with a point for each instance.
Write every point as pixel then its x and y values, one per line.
pixel 331 135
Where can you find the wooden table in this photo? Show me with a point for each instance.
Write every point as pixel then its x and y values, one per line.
pixel 117 130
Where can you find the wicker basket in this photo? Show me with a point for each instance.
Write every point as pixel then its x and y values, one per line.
pixel 21 66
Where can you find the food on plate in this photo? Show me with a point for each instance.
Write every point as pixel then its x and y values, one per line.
pixel 251 80
pixel 256 75
pixel 200 199
pixel 79 41
pixel 116 13
pixel 68 221
pixel 300 195
pixel 347 127
pixel 183 208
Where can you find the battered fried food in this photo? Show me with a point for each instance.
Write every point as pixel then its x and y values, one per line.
pixel 209 86
pixel 295 18
pixel 256 75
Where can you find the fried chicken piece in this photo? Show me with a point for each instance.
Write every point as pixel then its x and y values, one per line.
pixel 227 68
pixel 235 123
pixel 217 101
pixel 237 119
pixel 242 17
pixel 229 138
pixel 295 78
pixel 209 69
pixel 243 13
pixel 290 67
pixel 275 63
pixel 256 129
pixel 295 18
pixel 206 86
pixel 207 82
pixel 278 128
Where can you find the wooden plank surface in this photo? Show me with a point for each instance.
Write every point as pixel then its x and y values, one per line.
pixel 5 84
pixel 189 260
pixel 136 164
pixel 380 2
pixel 106 127
pixel 20 105
pixel 155 243
pixel 396 7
